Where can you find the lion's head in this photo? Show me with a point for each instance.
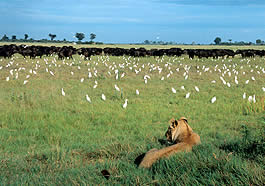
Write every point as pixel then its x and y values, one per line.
pixel 178 130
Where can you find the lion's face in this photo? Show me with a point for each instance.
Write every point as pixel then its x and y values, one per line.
pixel 171 131
pixel 176 128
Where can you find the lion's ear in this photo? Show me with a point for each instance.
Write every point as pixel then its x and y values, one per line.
pixel 173 122
pixel 183 118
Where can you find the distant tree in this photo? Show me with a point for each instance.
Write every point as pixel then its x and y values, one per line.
pixel 147 42
pixel 80 36
pixel 26 36
pixel 52 36
pixel 92 36
pixel 258 41
pixel 230 40
pixel 217 40
pixel 5 38
pixel 14 37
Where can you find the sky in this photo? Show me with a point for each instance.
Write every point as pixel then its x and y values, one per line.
pixel 131 21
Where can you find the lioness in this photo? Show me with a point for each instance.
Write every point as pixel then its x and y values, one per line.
pixel 180 134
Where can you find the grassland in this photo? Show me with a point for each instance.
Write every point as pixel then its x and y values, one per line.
pixel 49 139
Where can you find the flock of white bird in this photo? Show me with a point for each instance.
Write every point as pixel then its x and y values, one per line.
pixel 165 68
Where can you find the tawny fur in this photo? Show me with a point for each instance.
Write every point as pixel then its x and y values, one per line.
pixel 181 135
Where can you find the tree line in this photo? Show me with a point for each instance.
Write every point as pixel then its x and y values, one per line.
pixel 218 41
pixel 79 36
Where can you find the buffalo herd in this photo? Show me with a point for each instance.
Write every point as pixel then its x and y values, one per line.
pixel 8 51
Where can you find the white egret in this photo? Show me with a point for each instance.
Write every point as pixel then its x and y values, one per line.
pixel 89 75
pixel 236 81
pixel 51 73
pixel 244 95
pixel 122 75
pixel 213 99
pixel 63 93
pixel 187 95
pixel 173 90
pixel 250 99
pixel 88 98
pixel 197 89
pixel 117 88
pixel 103 97
pixel 125 104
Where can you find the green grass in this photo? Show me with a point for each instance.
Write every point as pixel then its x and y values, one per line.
pixel 47 138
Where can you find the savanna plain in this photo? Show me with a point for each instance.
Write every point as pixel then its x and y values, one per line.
pixel 57 128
